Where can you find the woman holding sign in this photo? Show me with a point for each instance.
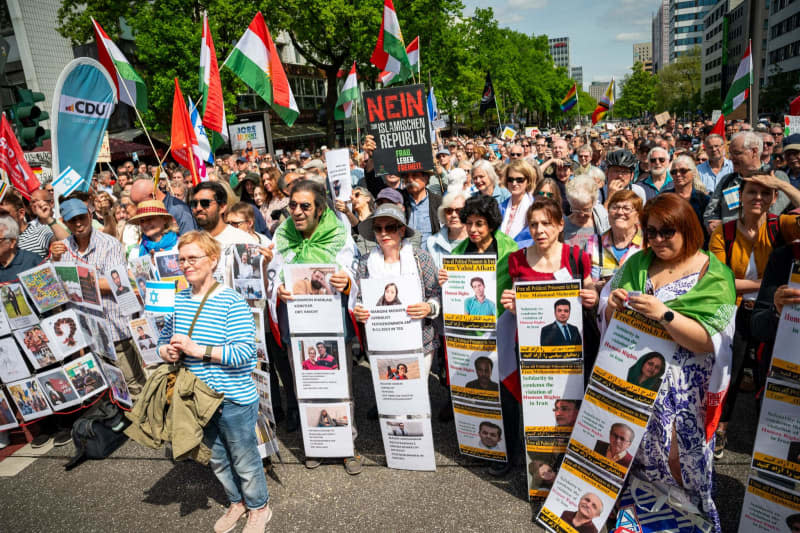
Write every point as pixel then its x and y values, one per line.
pixel 692 295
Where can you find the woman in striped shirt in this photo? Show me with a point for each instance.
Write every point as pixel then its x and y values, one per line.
pixel 222 353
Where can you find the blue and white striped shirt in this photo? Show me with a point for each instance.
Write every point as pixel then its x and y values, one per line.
pixel 225 320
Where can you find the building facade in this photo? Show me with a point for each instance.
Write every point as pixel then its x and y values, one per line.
pixel 783 38
pixel 643 53
pixel 598 88
pixel 713 49
pixel 660 36
pixel 577 76
pixel 560 52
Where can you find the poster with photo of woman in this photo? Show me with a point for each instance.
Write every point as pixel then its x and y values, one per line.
pixel 389 328
pixel 116 381
pixel 320 365
pixel 327 429
pixel 399 387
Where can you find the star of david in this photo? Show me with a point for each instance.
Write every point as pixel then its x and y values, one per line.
pixel 153 297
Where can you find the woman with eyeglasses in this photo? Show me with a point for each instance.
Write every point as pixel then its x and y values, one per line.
pixel 692 295
pixel 453 231
pixel 520 178
pixel 623 239
pixel 587 218
pixel 547 188
pixel 745 245
pixel 687 184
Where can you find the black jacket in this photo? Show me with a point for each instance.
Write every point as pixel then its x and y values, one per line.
pixel 434 201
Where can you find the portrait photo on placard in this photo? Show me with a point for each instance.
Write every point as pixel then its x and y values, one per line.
pixel 319 354
pixel 119 388
pixel 119 281
pixel 7 418
pixel 551 394
pixel 542 470
pixel 327 429
pixel 145 339
pixel 86 376
pixel 777 444
pixel 65 331
pixel 12 364
pixel 405 428
pixel 389 327
pixel 30 400
pixel 473 368
pixel 58 389
pixel 398 368
pixel 304 280
pixel 16 306
pixel 769 506
pixel 469 298
pixel 322 367
pixel 480 431
pixel 37 346
pixel 247 261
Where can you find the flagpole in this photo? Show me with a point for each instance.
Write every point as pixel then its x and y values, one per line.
pixel 358 132
pixel 141 121
pixel 194 168
pixel 578 105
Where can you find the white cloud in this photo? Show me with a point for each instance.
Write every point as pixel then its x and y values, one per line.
pixel 527 4
pixel 631 36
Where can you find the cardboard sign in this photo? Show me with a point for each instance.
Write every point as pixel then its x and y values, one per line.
pixel 398 119
pixel 791 124
pixel 105 150
pixel 508 133
pixel 662 118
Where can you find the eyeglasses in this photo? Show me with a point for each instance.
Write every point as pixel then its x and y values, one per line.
pixel 681 171
pixel 191 261
pixel 587 211
pixel 545 194
pixel 617 436
pixel 526 145
pixel 624 209
pixel 304 206
pixel 236 223
pixel 767 143
pixel 516 180
pixel 388 228
pixel 658 159
pixel 541 145
pixel 665 233
pixel 204 203
pixel 450 210
pixel 516 154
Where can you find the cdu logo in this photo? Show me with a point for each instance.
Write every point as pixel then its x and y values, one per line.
pixel 86 108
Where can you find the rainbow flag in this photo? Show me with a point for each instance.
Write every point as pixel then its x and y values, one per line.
pixel 605 104
pixel 571 99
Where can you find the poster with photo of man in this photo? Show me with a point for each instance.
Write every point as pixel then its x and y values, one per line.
pixel 549 320
pixel 408 442
pixel 248 271
pixel 315 306
pixel 320 367
pixel 479 430
pixel 121 291
pixel 145 338
pixel 389 328
pixel 551 396
pixel 769 507
pixel 469 297
pixel 399 387
pixel 777 446
pixel 472 365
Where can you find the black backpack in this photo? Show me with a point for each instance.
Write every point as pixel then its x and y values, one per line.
pixel 98 432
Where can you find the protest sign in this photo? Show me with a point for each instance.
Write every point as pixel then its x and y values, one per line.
pixel 37 346
pixel 408 442
pixel 116 381
pixel 7 418
pixel 662 118
pixel 65 332
pixel 508 133
pixel 389 328
pixel 398 120
pixel 777 446
pixel 30 400
pixel 80 282
pixel 337 163
pixel 316 305
pixel 16 307
pixel 57 389
pixel 5 326
pixel 169 269
pixel 85 375
pixel 480 431
pixel 769 507
pixel 400 384
pixel 145 337
pixel 327 429
pixel 105 150
pixel 99 334
pixel 549 320
pixel 785 355
pixel 472 368
pixel 543 459
pixel 242 132
pixel 633 356
pixel 261 377
pixel 607 433
pixel 43 287
pixel 260 338
pixel 266 437
pixel 579 495
pixel 551 396
pixel 791 124
pixel 320 367
pixel 469 293
pixel 160 297
pixel 12 364
pixel 120 283
pixel 248 271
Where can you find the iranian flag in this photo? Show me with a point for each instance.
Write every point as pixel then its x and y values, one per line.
pixel 348 96
pixel 740 87
pixel 255 60
pixel 412 51
pixel 390 51
pixel 210 85
pixel 130 86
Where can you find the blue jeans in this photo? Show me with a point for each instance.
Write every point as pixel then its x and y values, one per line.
pixel 234 454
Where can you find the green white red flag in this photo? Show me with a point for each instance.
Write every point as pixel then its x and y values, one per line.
pixel 390 51
pixel 348 96
pixel 412 51
pixel 130 86
pixel 740 87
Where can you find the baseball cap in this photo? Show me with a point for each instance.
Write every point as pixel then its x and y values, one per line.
pixel 390 195
pixel 73 208
pixel 241 160
pixel 315 164
pixel 305 155
pixel 444 151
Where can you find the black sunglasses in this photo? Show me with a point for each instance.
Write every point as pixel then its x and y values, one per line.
pixel 516 180
pixel 664 233
pixel 204 203
pixel 305 206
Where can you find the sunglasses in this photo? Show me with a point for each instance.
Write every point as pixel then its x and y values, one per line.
pixel 545 194
pixel 304 206
pixel 516 154
pixel 516 180
pixel 388 228
pixel 658 159
pixel 680 170
pixel 205 203
pixel 766 143
pixel 665 233
pixel 526 145
pixel 450 210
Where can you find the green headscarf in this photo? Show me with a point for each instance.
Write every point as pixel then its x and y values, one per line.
pixel 505 246
pixel 635 372
pixel 323 245
pixel 711 302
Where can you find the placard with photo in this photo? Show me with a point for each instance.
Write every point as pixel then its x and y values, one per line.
pixel 80 284
pixel 777 446
pixel 472 363
pixel 408 442
pixel 400 388
pixel 12 364
pixel 551 396
pixel 320 367
pixel 145 337
pixel 90 287
pixel 769 507
pixel 122 293
pixel 7 418
pixel 31 402
pixel 389 328
pixel 327 429
pixel 5 325
pixel 262 377
pixel 16 307
pixel 99 334
pixel 469 297
pixel 480 431
pixel 38 348
pixel 543 459
pixel 316 306
pixel 168 269
pixel 549 320
pixel 85 375
pixel 43 287
pixel 64 329
pixel 785 355
pixel 260 339
pixel 248 271
pixel 118 385
pixel 57 389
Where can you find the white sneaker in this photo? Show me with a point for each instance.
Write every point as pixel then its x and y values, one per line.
pixel 5 439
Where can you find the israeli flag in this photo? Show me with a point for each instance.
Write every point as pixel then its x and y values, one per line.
pixel 433 113
pixel 66 182
pixel 160 297
pixel 203 147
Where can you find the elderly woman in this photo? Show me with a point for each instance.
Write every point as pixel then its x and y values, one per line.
pixel 692 295
pixel 394 256
pixel 610 250
pixel 485 182
pixel 211 334
pixel 520 177
pixel 587 217
pixel 481 216
pixel 687 184
pixel 155 224
pixel 453 231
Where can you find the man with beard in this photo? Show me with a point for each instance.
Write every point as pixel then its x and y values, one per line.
pixel 657 178
pixel 209 203
pixel 421 205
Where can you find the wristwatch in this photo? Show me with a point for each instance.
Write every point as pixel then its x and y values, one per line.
pixel 668 317
pixel 207 355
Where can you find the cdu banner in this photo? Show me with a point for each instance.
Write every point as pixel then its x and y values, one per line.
pixel 83 101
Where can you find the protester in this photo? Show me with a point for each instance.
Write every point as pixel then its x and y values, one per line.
pixel 240 216
pixel 624 238
pixel 453 231
pixel 155 223
pixel 144 189
pixel 692 294
pixel 587 217
pixel 274 198
pixel 13 259
pixel 657 178
pixel 619 172
pixel 42 207
pixel 686 184
pixel 33 238
pixel 211 333
pixel 791 153
pixel 421 206
pixel 209 204
pixel 486 182
pixel 520 178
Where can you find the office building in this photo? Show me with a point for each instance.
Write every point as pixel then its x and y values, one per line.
pixel 783 38
pixel 559 50
pixel 577 75
pixel 643 53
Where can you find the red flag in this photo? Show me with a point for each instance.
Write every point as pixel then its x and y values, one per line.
pixel 182 136
pixel 794 107
pixel 210 85
pixel 12 162
pixel 719 127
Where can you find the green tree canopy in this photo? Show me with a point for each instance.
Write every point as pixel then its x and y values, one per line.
pixel 678 88
pixel 638 90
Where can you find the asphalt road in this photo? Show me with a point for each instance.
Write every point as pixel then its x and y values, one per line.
pixel 138 489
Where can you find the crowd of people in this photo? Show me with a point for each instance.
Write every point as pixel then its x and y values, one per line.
pixel 641 214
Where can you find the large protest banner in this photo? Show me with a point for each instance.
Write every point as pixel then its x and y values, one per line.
pixel 768 507
pixel 549 320
pixel 398 120
pixel 468 297
pixel 785 355
pixel 777 446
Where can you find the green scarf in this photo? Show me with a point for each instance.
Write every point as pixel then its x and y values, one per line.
pixel 505 246
pixel 711 302
pixel 325 243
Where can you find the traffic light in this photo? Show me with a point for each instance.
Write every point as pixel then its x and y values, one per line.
pixel 27 117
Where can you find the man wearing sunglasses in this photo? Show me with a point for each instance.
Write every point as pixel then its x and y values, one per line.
pixel 143 190
pixel 209 204
pixel 657 178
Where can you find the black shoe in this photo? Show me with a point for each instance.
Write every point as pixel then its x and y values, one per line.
pixel 280 416
pixel 446 412
pixel 500 469
pixel 62 438
pixel 41 441
pixel 292 421
pixel 372 414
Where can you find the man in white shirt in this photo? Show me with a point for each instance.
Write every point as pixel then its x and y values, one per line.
pixel 209 203
pixel 717 165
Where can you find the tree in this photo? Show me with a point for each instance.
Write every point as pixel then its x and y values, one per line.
pixel 783 87
pixel 678 88
pixel 638 91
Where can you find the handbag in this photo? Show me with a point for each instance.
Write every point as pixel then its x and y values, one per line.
pixel 645 508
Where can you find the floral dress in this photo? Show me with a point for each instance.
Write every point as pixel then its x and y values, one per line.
pixel 681 403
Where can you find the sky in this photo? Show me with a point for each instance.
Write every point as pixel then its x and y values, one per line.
pixel 601 33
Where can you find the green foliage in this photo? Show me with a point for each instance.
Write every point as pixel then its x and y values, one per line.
pixel 782 89
pixel 711 100
pixel 638 90
pixel 678 88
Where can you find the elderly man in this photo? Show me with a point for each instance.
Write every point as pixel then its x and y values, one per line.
pixel 791 153
pixel 421 206
pixel 745 149
pixel 717 165
pixel 143 190
pixel 560 154
pixel 657 178
pixel 13 259
pixel 33 238
pixel 769 146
